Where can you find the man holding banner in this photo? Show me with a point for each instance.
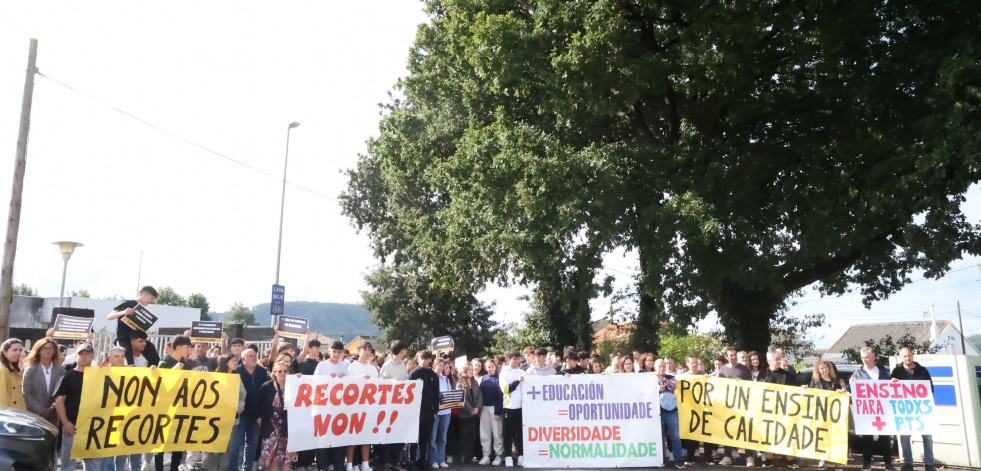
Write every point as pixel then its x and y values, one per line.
pixel 67 401
pixel 911 370
pixel 870 372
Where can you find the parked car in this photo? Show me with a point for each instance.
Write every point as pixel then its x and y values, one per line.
pixel 27 442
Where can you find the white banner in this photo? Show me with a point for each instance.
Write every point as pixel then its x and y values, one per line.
pixel 888 408
pixel 592 421
pixel 326 412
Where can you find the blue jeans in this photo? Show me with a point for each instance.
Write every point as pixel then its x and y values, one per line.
pixel 669 422
pixel 437 444
pixel 119 463
pixel 246 433
pixel 68 464
pixel 904 442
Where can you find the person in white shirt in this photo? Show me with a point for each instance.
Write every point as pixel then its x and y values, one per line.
pixel 336 367
pixel 394 369
pixel 511 379
pixel 363 368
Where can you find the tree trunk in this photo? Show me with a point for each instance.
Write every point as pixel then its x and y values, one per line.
pixel 745 314
pixel 650 310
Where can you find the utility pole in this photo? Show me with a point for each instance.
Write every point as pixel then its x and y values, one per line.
pixel 13 218
pixel 961 321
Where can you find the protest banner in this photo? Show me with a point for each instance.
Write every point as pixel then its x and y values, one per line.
pixel 292 327
pixel 442 344
pixel 887 408
pixel 69 327
pixel 206 331
pixel 141 319
pixel 327 412
pixel 787 420
pixel 452 399
pixel 127 410
pixel 594 421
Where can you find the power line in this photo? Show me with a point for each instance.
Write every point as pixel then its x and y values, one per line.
pixel 182 138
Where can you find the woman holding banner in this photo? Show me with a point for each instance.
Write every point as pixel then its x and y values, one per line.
pixel 669 412
pixel 11 394
pixel 824 378
pixel 272 420
pixel 227 364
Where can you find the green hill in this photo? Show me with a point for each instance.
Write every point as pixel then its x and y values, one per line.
pixel 333 319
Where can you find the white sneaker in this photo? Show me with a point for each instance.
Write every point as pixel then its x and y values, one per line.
pixel 365 467
pixel 444 465
pixel 726 461
pixel 508 462
pixel 435 466
pixel 750 462
pixel 521 461
pixel 497 461
pixel 349 467
pixel 449 459
pixel 821 464
pixel 484 460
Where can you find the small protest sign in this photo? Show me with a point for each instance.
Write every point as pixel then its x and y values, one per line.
pixel 127 410
pixel 460 363
pixel 594 421
pixel 141 319
pixel 452 399
pixel 68 327
pixel 442 344
pixel 292 327
pixel 787 420
pixel 888 408
pixel 206 331
pixel 326 412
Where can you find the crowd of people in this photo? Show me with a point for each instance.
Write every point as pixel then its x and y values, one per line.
pixel 487 429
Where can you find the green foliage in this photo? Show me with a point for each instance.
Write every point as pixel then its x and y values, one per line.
pixel 608 346
pixel 199 301
pixel 534 330
pixel 80 294
pixel 794 333
pixel 704 346
pixel 410 307
pixel 333 319
pixel 887 347
pixel 744 150
pixel 167 296
pixel 238 314
pixel 24 290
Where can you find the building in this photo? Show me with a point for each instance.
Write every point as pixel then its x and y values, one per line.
pixel 947 337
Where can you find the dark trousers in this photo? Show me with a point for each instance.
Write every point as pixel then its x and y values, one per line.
pixel 512 432
pixel 869 445
pixel 305 457
pixel 421 451
pixel 175 461
pixel 331 456
pixel 467 445
pixel 390 453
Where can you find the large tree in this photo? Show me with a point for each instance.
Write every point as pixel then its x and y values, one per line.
pixel 743 150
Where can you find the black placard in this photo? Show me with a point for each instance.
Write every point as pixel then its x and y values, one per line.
pixel 141 319
pixel 206 331
pixel 292 327
pixel 68 327
pixel 442 344
pixel 452 399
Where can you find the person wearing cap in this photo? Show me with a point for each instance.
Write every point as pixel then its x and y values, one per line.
pixel 334 366
pixel 67 399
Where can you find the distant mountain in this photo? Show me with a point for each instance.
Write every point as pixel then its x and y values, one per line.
pixel 333 319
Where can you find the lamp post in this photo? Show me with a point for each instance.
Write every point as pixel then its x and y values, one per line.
pixel 282 204
pixel 67 249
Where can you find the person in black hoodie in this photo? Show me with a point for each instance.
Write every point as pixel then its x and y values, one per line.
pixel 124 332
pixel 910 370
pixel 428 406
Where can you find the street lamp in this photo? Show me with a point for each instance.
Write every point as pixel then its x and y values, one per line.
pixel 67 249
pixel 282 204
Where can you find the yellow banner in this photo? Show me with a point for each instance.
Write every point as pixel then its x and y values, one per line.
pixel 785 420
pixel 126 410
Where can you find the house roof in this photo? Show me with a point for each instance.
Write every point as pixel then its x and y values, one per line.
pixel 857 334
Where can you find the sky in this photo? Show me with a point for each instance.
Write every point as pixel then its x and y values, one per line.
pixel 158 137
